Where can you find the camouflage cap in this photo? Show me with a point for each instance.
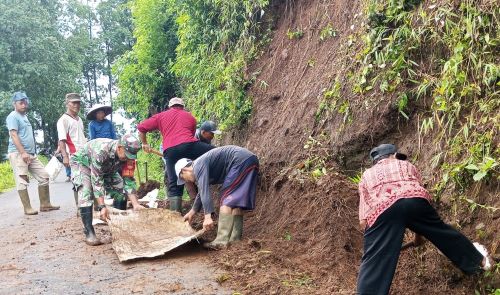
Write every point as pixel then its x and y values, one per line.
pixel 131 144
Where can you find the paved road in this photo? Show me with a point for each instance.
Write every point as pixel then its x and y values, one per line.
pixel 45 254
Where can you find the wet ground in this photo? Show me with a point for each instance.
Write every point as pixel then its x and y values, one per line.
pixel 45 254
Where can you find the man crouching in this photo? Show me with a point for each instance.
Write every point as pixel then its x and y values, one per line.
pixel 96 170
pixel 234 167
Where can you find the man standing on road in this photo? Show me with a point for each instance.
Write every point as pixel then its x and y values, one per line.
pixel 177 127
pixel 392 199
pixel 234 167
pixel 70 131
pixel 22 156
pixel 207 131
pixel 96 171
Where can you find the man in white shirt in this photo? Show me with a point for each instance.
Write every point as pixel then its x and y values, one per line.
pixel 70 130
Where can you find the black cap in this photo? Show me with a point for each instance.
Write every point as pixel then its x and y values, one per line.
pixel 210 126
pixel 386 149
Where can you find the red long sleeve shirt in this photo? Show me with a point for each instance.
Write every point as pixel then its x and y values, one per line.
pixel 175 125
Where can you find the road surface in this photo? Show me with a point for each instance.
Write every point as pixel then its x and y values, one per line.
pixel 45 254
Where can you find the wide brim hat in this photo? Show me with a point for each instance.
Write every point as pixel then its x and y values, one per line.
pixel 98 107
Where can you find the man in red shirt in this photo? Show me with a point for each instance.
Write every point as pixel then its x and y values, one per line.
pixel 392 198
pixel 177 127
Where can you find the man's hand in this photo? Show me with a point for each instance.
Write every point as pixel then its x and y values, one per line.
pixel 417 241
pixel 135 202
pixel 208 223
pixel 65 160
pixel 146 147
pixel 189 216
pixel 26 157
pixel 362 225
pixel 104 214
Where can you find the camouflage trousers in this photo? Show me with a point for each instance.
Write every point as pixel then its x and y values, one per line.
pixel 82 183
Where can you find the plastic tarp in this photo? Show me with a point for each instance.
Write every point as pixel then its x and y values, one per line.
pixel 148 232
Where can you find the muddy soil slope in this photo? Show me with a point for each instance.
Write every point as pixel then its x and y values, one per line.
pixel 303 237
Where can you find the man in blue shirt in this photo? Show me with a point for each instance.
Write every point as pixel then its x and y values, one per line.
pixel 22 156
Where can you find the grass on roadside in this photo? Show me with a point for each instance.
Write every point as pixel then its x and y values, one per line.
pixel 6 177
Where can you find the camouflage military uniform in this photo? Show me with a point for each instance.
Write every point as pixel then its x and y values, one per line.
pixel 96 170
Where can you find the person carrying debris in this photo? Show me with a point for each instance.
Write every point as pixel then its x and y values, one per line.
pixel 234 167
pixel 392 199
pixel 206 132
pixel 70 132
pixel 177 127
pixel 99 126
pixel 96 170
pixel 22 156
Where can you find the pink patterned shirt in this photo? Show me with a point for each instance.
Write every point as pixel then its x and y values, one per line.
pixel 386 182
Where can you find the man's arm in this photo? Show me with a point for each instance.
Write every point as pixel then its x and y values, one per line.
pixel 130 187
pixel 61 134
pixel 62 149
pixel 144 127
pixel 91 131
pixel 20 148
pixel 144 140
pixel 362 205
pixel 113 131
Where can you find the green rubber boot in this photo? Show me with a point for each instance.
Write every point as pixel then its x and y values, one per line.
pixel 44 195
pixel 175 204
pixel 223 232
pixel 25 199
pixel 237 231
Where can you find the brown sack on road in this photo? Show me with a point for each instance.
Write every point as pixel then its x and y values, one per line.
pixel 148 232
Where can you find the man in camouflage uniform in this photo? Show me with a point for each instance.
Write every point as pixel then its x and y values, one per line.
pixel 96 170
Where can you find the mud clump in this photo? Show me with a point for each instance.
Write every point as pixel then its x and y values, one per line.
pixel 146 187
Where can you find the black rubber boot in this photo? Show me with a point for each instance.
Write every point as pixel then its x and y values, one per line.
pixel 120 204
pixel 90 237
pixel 175 204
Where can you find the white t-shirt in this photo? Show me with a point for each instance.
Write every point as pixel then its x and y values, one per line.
pixel 71 130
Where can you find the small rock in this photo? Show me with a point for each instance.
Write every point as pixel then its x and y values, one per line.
pixel 284 54
pixel 480 226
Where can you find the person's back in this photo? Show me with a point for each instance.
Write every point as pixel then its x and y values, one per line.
pixel 385 183
pixel 220 160
pixel 176 126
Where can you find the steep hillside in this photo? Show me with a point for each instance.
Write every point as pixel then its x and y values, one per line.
pixel 312 127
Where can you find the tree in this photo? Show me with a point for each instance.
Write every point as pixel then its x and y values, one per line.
pixel 37 57
pixel 144 74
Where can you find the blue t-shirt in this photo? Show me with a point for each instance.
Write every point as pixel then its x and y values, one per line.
pixel 20 123
pixel 101 129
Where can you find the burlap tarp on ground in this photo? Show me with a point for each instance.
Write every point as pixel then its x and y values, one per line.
pixel 148 232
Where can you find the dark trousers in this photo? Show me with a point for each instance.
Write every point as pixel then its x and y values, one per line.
pixel 190 150
pixel 382 243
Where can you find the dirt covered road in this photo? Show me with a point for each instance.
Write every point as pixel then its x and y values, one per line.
pixel 45 254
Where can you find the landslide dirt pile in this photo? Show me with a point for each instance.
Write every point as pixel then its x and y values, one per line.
pixel 303 237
